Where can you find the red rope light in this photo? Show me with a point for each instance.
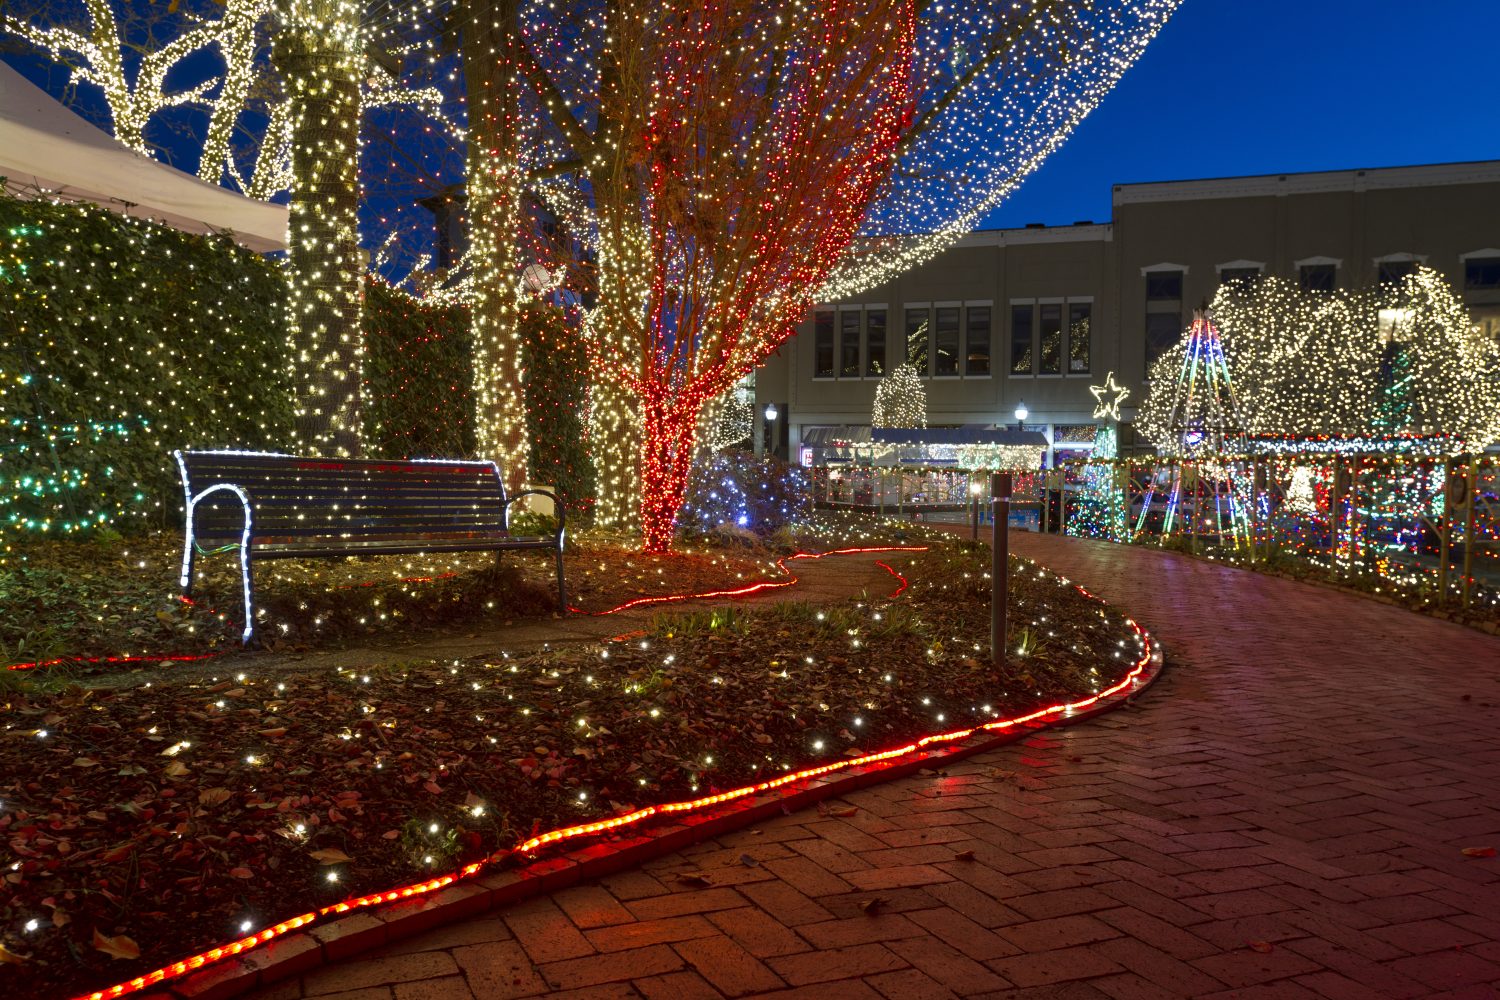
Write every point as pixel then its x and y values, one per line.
pixel 184 658
pixel 756 588
pixel 532 844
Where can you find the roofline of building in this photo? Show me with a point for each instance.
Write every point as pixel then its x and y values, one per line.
pixel 1091 232
pixel 1313 182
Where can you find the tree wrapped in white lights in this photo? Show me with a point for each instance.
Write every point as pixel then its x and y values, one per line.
pixel 1394 368
pixel 731 162
pixel 900 399
pixel 94 44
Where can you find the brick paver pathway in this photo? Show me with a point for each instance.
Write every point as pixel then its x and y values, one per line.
pixel 1282 816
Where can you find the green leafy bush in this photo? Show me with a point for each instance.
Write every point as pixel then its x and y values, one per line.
pixel 556 394
pixel 119 341
pixel 418 383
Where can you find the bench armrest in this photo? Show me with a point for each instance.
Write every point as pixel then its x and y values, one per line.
pixel 557 505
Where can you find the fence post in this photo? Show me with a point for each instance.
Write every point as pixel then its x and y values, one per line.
pixel 1335 515
pixel 1471 498
pixel 1000 488
pixel 1445 531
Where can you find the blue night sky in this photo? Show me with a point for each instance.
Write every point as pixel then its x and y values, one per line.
pixel 1275 86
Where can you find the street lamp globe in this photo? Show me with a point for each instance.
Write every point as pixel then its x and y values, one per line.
pixel 1021 412
pixel 771 413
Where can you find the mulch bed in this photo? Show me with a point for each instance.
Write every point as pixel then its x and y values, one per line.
pixel 117 597
pixel 150 822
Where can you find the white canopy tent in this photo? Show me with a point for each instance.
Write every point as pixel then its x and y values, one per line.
pixel 46 148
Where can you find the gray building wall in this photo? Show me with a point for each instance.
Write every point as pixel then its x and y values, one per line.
pixel 1353 219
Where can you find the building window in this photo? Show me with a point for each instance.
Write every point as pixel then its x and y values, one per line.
pixel 1164 286
pixel 916 339
pixel 823 344
pixel 1050 356
pixel 1487 322
pixel 1229 274
pixel 977 347
pixel 1393 271
pixel 1481 273
pixel 1080 334
pixel 945 342
pixel 1318 277
pixel 875 343
pixel 1163 330
pixel 849 343
pixel 1020 339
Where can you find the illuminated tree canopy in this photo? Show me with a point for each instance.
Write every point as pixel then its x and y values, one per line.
pixel 729 163
pixel 1391 368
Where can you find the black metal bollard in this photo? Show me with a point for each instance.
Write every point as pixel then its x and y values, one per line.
pixel 1000 488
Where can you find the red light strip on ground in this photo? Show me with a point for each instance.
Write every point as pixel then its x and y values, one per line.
pixel 755 588
pixel 532 844
pixel 113 659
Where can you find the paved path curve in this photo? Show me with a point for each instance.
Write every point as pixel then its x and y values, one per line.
pixel 1282 816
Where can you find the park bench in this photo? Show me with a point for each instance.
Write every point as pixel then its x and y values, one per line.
pixel 271 506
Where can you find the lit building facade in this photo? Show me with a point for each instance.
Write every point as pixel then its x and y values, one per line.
pixel 1035 316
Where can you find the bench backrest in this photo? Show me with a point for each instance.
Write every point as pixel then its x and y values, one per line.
pixel 354 499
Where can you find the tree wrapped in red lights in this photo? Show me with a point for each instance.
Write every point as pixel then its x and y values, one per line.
pixel 727 163
pixel 753 168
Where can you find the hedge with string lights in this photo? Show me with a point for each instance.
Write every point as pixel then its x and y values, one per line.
pixel 417 396
pixel 120 340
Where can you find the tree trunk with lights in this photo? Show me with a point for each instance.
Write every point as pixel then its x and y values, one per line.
pixel 726 155
pixel 317 52
pixel 495 220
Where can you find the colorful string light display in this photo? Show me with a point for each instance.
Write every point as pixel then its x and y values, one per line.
pixel 1394 368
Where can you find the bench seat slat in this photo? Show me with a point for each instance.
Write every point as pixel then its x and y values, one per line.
pixel 313 508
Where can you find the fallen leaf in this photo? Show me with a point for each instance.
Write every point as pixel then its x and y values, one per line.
pixel 698 881
pixel 872 905
pixel 1478 852
pixel 845 812
pixel 213 796
pixel 1264 947
pixel 117 947
pixel 330 856
pixel 176 769
pixel 964 856
pixel 748 861
pixel 85 762
pixel 241 873
pixel 8 957
pixel 390 834
pixel 273 732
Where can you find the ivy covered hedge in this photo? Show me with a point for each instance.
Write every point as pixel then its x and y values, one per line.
pixel 417 401
pixel 119 341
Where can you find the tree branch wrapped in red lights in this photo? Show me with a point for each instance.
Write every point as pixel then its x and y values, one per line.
pixel 725 164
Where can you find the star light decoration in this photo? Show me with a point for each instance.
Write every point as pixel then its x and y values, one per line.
pixel 1107 398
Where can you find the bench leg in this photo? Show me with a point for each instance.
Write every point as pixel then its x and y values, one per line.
pixel 247 580
pixel 186 580
pixel 562 588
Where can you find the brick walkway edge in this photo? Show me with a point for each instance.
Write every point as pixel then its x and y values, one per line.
pixel 1284 816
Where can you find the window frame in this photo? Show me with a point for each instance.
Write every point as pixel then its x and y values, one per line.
pixel 867 341
pixel 988 307
pixel 939 308
pixel 1029 305
pixel 833 355
pixel 1086 301
pixel 907 312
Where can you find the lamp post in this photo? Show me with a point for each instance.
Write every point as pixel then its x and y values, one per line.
pixel 771 414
